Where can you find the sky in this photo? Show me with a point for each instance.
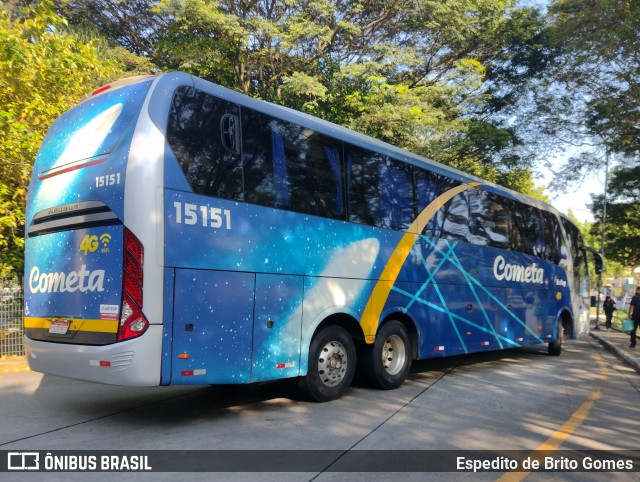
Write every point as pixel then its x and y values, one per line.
pixel 578 198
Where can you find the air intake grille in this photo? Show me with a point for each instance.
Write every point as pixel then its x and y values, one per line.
pixel 84 214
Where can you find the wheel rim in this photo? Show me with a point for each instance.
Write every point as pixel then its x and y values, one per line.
pixel 332 363
pixel 394 355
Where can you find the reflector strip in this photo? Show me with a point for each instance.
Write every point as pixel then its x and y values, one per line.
pixel 75 167
pixel 439 348
pixel 100 363
pixel 285 365
pixel 519 339
pixel 190 373
pixel 484 343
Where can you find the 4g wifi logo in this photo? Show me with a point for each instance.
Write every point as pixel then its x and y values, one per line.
pixel 90 244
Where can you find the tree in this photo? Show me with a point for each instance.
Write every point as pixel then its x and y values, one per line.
pixel 130 24
pixel 121 30
pixel 604 63
pixel 592 237
pixel 588 102
pixel 35 62
pixel 623 216
pixel 435 77
pixel 420 75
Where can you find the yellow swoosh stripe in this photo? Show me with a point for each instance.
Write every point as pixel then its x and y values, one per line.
pixel 99 326
pixel 375 304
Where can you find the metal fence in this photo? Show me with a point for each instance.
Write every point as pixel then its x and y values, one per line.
pixel 11 323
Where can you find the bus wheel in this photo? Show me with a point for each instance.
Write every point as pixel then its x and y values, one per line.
pixel 388 362
pixel 332 364
pixel 555 347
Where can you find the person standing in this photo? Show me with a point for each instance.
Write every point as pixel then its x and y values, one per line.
pixel 609 306
pixel 634 314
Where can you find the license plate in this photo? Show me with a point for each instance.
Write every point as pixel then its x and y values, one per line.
pixel 59 327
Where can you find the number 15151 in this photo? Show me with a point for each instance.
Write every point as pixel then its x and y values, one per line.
pixel 192 214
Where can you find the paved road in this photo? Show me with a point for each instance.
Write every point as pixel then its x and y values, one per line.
pixel 517 400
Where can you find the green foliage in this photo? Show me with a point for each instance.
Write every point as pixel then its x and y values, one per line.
pixel 410 73
pixel 442 78
pixel 592 238
pixel 622 229
pixel 129 63
pixel 131 24
pixel 42 74
pixel 590 97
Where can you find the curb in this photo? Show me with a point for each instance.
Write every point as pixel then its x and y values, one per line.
pixel 632 361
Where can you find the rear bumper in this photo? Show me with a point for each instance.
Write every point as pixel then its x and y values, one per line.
pixel 135 362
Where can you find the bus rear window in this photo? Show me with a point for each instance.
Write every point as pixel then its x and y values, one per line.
pixel 92 128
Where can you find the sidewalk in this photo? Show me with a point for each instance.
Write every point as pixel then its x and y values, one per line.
pixel 13 364
pixel 618 343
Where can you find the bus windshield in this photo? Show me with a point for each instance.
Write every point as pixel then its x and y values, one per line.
pixel 90 129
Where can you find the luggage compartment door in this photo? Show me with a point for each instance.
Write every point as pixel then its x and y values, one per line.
pixel 213 327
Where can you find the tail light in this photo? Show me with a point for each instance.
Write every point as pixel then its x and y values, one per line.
pixel 132 321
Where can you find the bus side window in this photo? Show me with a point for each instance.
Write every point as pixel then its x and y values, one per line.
pixel 261 156
pixel 522 240
pixel 396 195
pixel 455 215
pixel 201 131
pixel 489 219
pixel 552 237
pixel 363 182
pixel 535 230
pixel 280 171
pixel 380 190
pixel 291 167
pixel 428 187
pixel 316 173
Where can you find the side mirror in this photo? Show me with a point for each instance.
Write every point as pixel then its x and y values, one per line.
pixel 597 259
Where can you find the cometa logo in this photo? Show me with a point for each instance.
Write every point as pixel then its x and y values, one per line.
pixel 516 272
pixel 82 280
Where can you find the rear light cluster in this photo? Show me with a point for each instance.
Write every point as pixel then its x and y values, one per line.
pixel 132 321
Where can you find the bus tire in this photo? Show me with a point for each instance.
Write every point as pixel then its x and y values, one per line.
pixel 555 347
pixel 332 365
pixel 388 362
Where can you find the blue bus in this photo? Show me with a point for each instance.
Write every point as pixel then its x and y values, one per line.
pixel 178 232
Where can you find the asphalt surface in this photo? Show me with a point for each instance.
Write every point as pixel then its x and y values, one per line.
pixel 102 418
